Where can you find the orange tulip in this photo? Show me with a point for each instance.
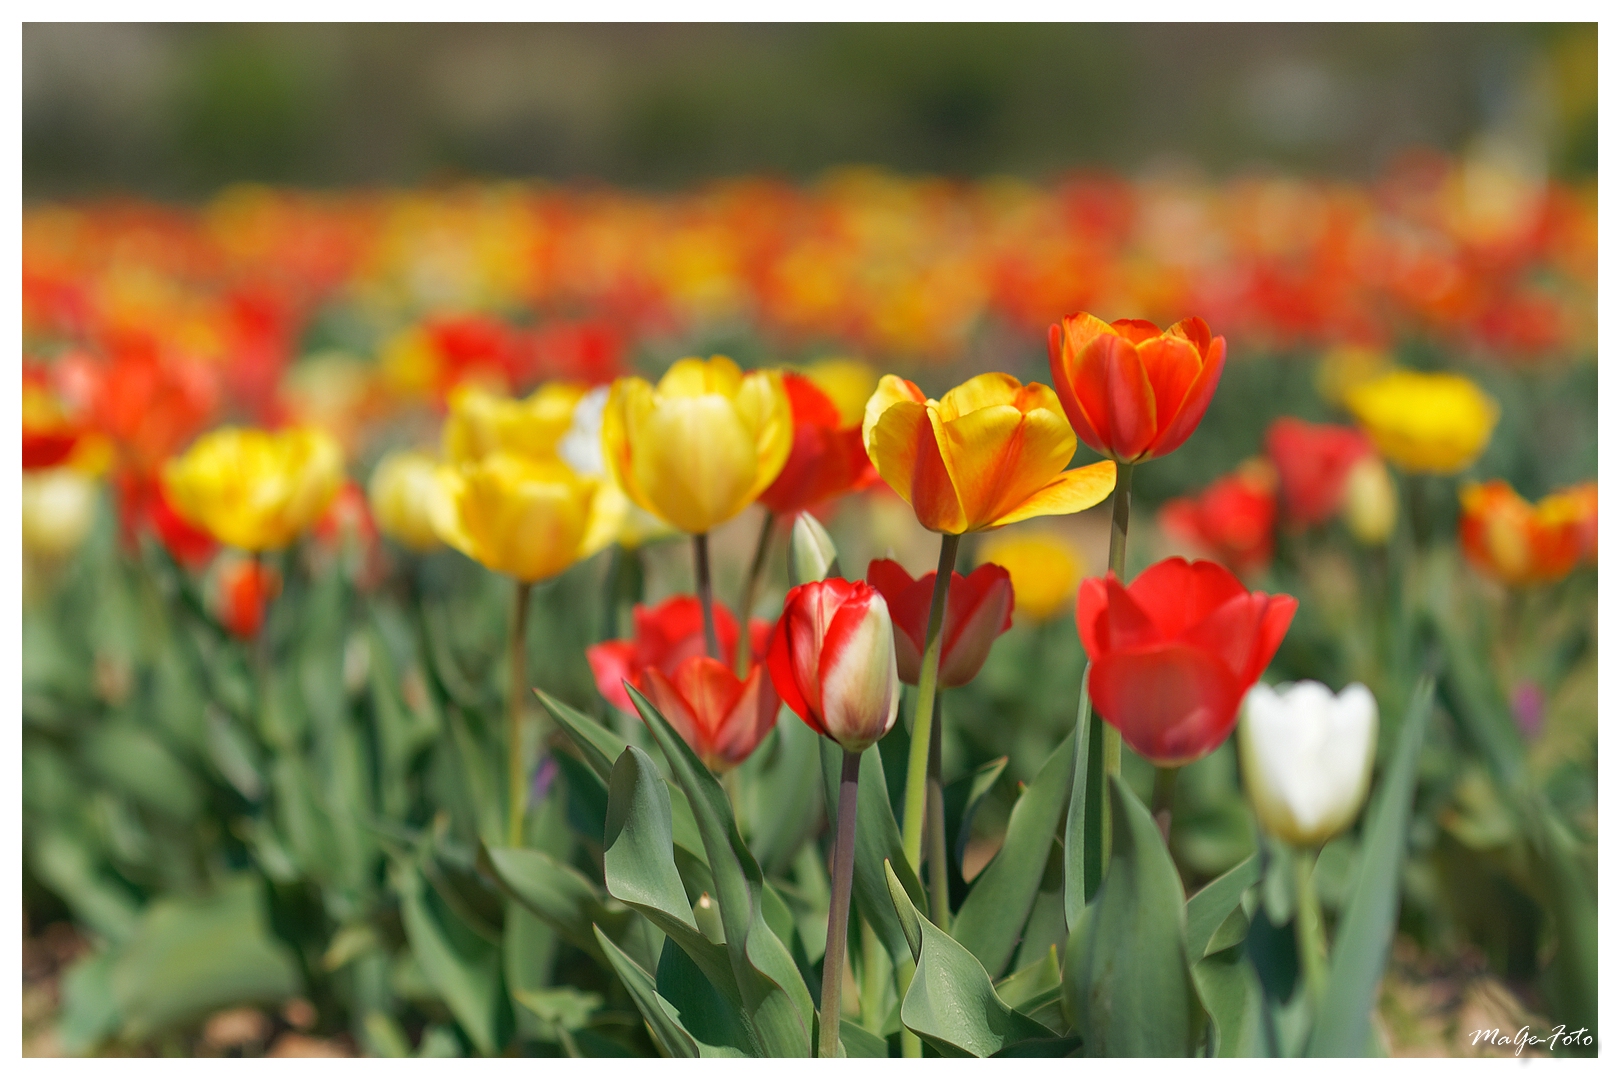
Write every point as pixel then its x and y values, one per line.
pixel 990 452
pixel 1516 543
pixel 1132 391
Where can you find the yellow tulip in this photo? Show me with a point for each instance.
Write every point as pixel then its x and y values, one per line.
pixel 1045 568
pixel 700 446
pixel 482 422
pixel 524 517
pixel 848 382
pixel 256 490
pixel 403 487
pixel 1425 423
pixel 990 452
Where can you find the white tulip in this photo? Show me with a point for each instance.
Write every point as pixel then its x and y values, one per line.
pixel 1307 757
pixel 58 509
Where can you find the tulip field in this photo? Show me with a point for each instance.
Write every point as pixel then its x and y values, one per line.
pixel 878 617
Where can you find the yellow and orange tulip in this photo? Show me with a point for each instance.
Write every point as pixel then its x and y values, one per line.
pixel 256 490
pixel 1510 540
pixel 699 447
pixel 990 452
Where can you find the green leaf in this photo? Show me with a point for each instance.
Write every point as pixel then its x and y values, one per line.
pixel 857 1042
pixel 89 1008
pixel 1211 908
pixel 559 894
pixel 464 968
pixel 1230 991
pixel 788 806
pixel 877 840
pixel 1033 982
pixel 1126 982
pixel 661 1016
pixel 189 957
pixel 996 909
pixel 951 1003
pixel 775 998
pixel 1082 830
pixel 132 761
pixel 705 1012
pixel 64 863
pixel 962 799
pixel 1049 1047
pixel 1367 926
pixel 639 863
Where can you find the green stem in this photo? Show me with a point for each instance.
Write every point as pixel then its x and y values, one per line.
pixel 1111 747
pixel 939 881
pixel 874 961
pixel 705 590
pixel 922 719
pixel 1164 798
pixel 910 1041
pixel 832 965
pixel 1312 935
pixel 517 786
pixel 750 587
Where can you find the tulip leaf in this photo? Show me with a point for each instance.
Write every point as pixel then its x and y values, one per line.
pixel 995 911
pixel 877 840
pixel 774 996
pixel 951 1003
pixel 638 863
pixel 663 1019
pixel 789 808
pixel 962 799
pixel 857 1042
pixel 1230 991
pixel 1126 982
pixel 705 1012
pixel 557 893
pixel 1368 924
pixel 461 966
pixel 1213 906
pixel 1083 827
pixel 601 748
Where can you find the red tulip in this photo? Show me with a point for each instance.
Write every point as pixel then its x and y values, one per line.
pixel 827 459
pixel 832 660
pixel 1313 462
pixel 977 611
pixel 665 636
pixel 1233 519
pixel 246 588
pixel 1132 391
pixel 723 718
pixel 1173 654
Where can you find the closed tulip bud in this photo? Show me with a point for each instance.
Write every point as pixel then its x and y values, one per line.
pixel 522 517
pixel 1173 655
pixel 402 490
pixel 244 590
pixel 812 555
pixel 256 490
pixel 1132 391
pixel 1426 423
pixel 1307 758
pixel 1370 503
pixel 701 445
pixel 990 452
pixel 58 509
pixel 978 610
pixel 832 660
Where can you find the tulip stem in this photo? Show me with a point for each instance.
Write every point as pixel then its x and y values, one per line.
pixel 517 801
pixel 1164 798
pixel 939 881
pixel 705 590
pixel 750 587
pixel 832 965
pixel 922 726
pixel 1311 934
pixel 1111 749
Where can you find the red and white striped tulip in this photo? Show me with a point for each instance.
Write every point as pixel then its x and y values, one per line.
pixel 832 660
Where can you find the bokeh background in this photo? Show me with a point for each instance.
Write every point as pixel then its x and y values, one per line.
pixel 177 111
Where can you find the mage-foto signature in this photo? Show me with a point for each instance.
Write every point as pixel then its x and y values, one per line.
pixel 1558 1036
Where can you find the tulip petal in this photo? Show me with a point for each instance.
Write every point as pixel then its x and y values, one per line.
pixel 978 610
pixel 1061 349
pixel 998 457
pixel 779 660
pixel 1274 624
pixel 1171 703
pixel 909 601
pixel 695 377
pixel 1172 366
pixel 1113 388
pixel 673 706
pixel 904 447
pixel 710 689
pixel 750 719
pixel 891 390
pixel 1089 607
pixel 860 687
pixel 1126 623
pixel 1180 593
pixel 611 665
pixel 1072 491
pixel 763 407
pixel 1181 419
pixel 697 461
pixel 980 392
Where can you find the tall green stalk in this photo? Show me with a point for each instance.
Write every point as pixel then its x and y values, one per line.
pixel 832 965
pixel 705 591
pixel 517 780
pixel 922 726
pixel 939 879
pixel 1111 749
pixel 1310 932
pixel 756 570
